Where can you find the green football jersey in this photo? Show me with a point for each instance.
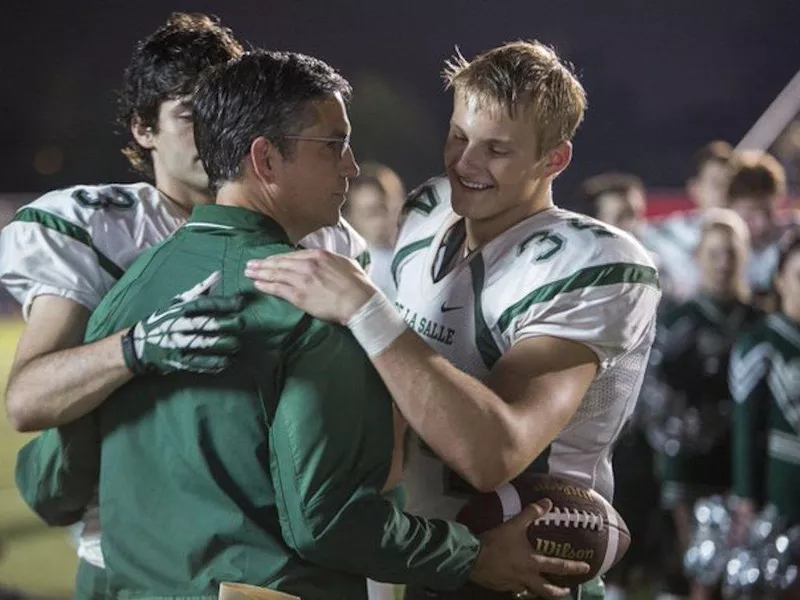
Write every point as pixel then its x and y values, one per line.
pixel 270 473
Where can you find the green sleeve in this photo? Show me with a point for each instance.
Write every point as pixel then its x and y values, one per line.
pixel 747 381
pixel 58 471
pixel 330 454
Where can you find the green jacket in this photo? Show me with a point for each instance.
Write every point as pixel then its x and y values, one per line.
pixel 690 356
pixel 269 473
pixel 765 382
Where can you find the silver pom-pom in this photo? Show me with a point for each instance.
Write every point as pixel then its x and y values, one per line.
pixel 781 561
pixel 708 553
pixel 673 423
pixel 767 563
pixel 743 578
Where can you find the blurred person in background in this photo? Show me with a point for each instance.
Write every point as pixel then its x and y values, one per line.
pixel 787 150
pixel 765 383
pixel 675 238
pixel 619 199
pixel 62 253
pixel 690 361
pixel 756 190
pixel 373 208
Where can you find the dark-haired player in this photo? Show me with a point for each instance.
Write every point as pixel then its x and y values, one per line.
pixel 63 252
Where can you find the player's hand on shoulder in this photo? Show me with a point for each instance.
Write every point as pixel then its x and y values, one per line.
pixel 196 332
pixel 507 562
pixel 323 284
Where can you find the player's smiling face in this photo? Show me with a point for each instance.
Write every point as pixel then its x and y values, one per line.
pixel 493 162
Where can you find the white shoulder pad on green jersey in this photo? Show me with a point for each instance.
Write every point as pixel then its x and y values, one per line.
pixel 76 243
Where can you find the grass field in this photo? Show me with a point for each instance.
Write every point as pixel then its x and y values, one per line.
pixel 33 557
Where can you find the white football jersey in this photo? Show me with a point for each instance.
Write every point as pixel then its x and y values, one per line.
pixel 77 242
pixel 557 273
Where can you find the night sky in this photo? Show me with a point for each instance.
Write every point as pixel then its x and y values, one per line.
pixel 663 76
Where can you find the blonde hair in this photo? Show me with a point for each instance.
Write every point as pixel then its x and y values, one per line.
pixel 727 221
pixel 521 76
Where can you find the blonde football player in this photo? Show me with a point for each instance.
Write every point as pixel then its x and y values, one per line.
pixel 521 330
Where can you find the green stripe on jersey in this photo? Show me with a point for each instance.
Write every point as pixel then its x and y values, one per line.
pixel 64 227
pixel 487 347
pixel 364 259
pixel 405 251
pixel 611 274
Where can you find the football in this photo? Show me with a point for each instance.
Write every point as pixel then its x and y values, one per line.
pixel 581 525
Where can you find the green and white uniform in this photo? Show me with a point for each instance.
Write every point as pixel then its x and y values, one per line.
pixel 556 273
pixel 77 242
pixel 765 383
pixel 690 359
pixel 269 473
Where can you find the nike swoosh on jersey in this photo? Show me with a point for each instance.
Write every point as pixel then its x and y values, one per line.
pixel 449 308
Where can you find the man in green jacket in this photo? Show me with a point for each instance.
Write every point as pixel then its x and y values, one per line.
pixel 273 472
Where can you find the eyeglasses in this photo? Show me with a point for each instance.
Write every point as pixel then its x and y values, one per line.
pixel 339 145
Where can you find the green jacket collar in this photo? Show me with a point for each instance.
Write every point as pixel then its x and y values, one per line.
pixel 234 218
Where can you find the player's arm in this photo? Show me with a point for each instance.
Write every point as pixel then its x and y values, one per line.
pixel 55 379
pixel 329 490
pixel 533 391
pixel 56 277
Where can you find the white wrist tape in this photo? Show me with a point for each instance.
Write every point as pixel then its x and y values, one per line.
pixel 376 325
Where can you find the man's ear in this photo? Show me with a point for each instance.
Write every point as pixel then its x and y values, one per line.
pixel 265 159
pixel 558 159
pixel 143 134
